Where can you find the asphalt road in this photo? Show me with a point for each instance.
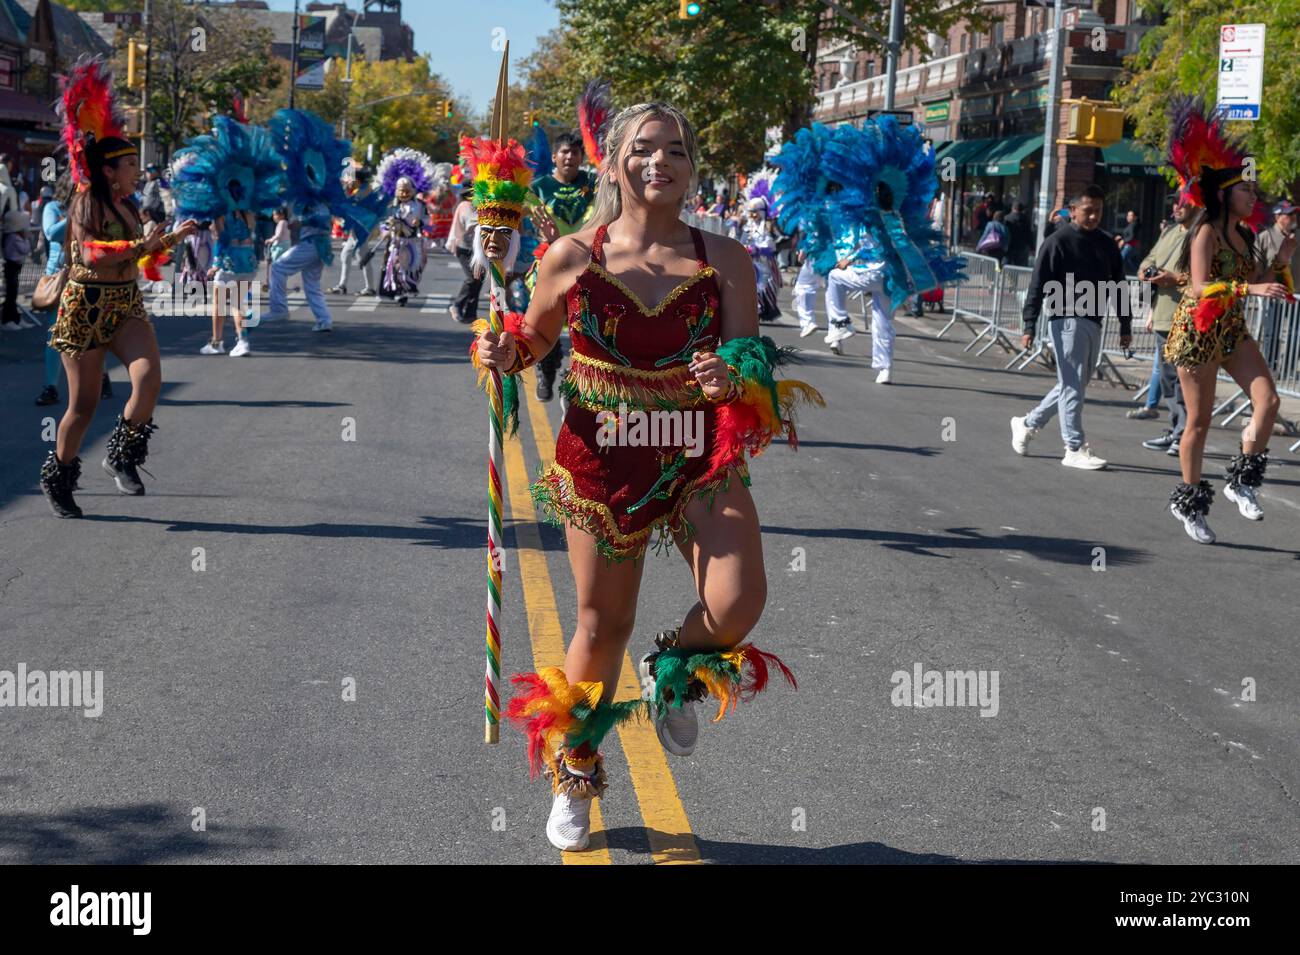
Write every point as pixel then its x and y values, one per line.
pixel 1120 734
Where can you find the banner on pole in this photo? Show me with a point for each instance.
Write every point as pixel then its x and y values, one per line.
pixel 311 53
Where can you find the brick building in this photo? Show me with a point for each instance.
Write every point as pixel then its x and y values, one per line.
pixel 980 98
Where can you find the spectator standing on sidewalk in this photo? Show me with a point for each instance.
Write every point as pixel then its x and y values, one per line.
pixel 1168 284
pixel 1078 255
pixel 1129 246
pixel 1022 242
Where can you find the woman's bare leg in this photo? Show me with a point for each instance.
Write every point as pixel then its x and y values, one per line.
pixel 85 376
pixel 136 347
pixel 1198 392
pixel 607 595
pixel 726 556
pixel 1250 371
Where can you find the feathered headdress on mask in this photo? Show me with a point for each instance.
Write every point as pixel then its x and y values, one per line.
pixel 313 161
pixel 594 112
pixel 501 180
pixel 406 164
pixel 93 128
pixel 442 175
pixel 888 181
pixel 232 168
pixel 1204 155
pixel 758 190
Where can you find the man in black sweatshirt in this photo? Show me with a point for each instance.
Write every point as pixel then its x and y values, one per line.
pixel 1078 278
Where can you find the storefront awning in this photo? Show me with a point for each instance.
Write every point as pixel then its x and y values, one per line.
pixel 1128 157
pixel 1004 157
pixel 963 150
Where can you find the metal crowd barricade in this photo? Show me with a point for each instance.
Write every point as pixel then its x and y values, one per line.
pixel 713 224
pixel 1275 326
pixel 1007 318
pixel 976 298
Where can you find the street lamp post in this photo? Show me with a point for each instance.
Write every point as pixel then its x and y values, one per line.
pixel 1047 187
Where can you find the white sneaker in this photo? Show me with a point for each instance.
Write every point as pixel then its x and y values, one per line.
pixel 210 349
pixel 1195 525
pixel 677 727
pixel 569 827
pixel 1020 435
pixel 322 327
pixel 838 333
pixel 883 378
pixel 241 348
pixel 1246 500
pixel 806 330
pixel 1083 459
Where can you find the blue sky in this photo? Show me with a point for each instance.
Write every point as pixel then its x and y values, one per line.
pixel 457 36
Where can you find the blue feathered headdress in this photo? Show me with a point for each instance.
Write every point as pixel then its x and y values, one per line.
pixel 406 163
pixel 886 153
pixel 801 194
pixel 233 167
pixel 538 148
pixel 314 160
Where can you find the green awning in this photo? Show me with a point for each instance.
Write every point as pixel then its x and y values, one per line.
pixel 963 151
pixel 1004 157
pixel 1128 157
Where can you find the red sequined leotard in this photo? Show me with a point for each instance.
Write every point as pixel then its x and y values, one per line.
pixel 624 353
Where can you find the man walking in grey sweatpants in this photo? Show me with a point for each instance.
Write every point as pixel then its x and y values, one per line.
pixel 1078 277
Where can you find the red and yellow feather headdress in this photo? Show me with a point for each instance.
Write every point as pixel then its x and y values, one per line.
pixel 1204 155
pixel 89 114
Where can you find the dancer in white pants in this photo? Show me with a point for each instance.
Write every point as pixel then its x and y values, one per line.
pixel 870 280
pixel 805 297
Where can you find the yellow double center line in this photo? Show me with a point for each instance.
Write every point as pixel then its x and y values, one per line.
pixel 667 828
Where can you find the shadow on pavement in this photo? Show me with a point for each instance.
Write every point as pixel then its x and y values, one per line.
pixel 1062 550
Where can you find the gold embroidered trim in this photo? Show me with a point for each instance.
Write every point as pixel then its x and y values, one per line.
pixel 672 296
pixel 598 520
pixel 623 370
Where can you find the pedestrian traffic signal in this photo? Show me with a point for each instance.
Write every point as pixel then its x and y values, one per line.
pixel 1092 123
pixel 689 9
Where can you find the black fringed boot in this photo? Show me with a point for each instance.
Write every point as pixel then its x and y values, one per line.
pixel 1245 473
pixel 128 447
pixel 1190 503
pixel 58 481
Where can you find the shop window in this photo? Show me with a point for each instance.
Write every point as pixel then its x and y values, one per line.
pixel 7 67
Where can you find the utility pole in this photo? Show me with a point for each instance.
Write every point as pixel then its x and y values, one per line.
pixel 895 47
pixel 1047 187
pixel 146 142
pixel 293 56
pixel 347 79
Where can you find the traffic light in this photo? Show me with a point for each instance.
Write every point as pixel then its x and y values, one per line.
pixel 689 9
pixel 1092 123
pixel 447 110
pixel 135 54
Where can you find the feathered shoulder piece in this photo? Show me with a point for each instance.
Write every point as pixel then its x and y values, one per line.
pixel 1204 154
pixel 501 179
pixel 594 109
pixel 88 112
pixel 539 153
pixel 406 164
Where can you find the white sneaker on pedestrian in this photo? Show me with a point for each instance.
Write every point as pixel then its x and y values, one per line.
pixel 241 348
pixel 1020 435
pixel 1246 500
pixel 569 827
pixel 838 333
pixel 806 330
pixel 213 348
pixel 1195 525
pixel 11 326
pixel 322 327
pixel 1083 459
pixel 883 378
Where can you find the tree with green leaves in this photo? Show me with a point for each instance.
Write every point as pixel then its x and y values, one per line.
pixel 1182 55
pixel 739 68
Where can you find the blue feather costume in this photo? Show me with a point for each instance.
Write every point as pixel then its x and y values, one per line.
pixel 232 169
pixel 313 160
pixel 827 187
